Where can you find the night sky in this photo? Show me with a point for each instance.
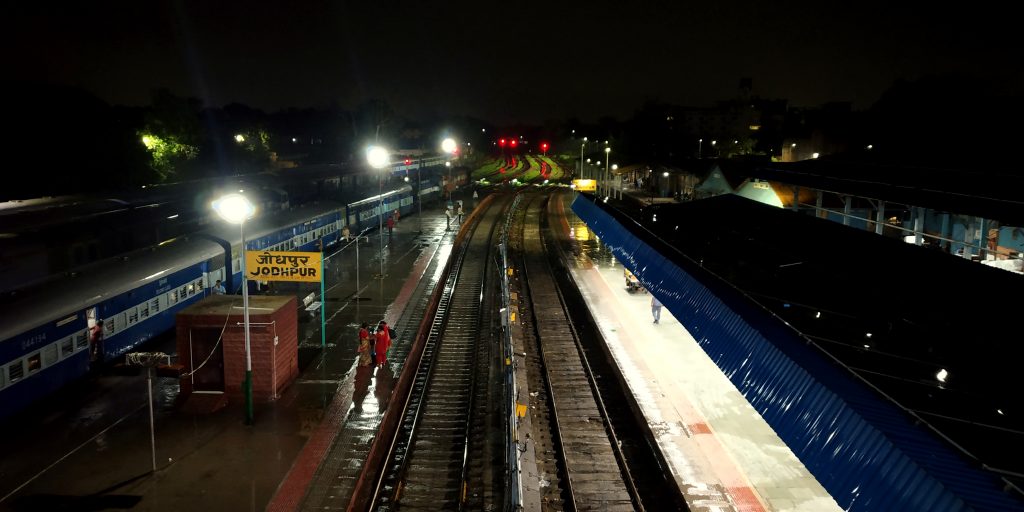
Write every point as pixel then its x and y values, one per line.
pixel 503 62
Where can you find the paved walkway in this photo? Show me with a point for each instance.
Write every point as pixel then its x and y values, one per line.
pixel 722 453
pixel 95 454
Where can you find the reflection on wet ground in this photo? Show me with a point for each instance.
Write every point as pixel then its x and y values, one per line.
pixel 95 434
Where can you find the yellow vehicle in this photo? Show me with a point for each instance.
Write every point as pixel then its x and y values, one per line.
pixel 632 283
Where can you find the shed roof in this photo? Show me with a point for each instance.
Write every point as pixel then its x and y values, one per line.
pixel 895 314
pixel 997 195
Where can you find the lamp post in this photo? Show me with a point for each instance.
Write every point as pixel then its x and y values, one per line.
pixel 236 209
pixel 378 158
pixel 615 167
pixel 581 156
pixel 700 145
pixel 448 146
pixel 607 156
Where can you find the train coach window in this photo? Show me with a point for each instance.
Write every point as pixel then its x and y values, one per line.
pixel 15 371
pixel 49 354
pixel 133 316
pixel 183 293
pixel 191 289
pixel 109 326
pixel 154 305
pixel 35 362
pixel 67 347
pixel 144 310
pixel 81 341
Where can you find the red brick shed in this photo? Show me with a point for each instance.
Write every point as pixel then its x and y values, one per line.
pixel 211 340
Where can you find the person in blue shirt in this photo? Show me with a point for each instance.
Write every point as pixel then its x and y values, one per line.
pixel 218 288
pixel 656 308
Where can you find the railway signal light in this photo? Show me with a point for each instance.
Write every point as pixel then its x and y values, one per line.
pixel 501 142
pixel 513 143
pixel 408 161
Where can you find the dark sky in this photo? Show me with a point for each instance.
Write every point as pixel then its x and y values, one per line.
pixel 501 61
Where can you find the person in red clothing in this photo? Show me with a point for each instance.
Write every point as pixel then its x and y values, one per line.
pixel 383 342
pixel 391 225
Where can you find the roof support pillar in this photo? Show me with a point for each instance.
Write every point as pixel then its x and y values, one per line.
pixel 947 231
pixel 880 218
pixel 847 200
pixel 817 206
pixel 968 236
pixel 918 225
pixel 796 198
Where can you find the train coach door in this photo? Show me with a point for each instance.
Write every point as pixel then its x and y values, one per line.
pixel 206 360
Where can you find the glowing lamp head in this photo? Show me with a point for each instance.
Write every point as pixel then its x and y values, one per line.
pixel 448 145
pixel 513 143
pixel 377 157
pixel 239 138
pixel 234 208
pixel 408 161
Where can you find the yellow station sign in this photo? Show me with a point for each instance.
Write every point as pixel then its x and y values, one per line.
pixel 587 185
pixel 282 266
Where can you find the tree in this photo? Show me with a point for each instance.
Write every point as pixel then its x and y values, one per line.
pixel 172 134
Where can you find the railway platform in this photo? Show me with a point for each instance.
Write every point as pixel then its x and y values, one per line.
pixel 88 448
pixel 723 455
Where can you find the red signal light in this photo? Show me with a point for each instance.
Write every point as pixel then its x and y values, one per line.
pixel 513 143
pixel 408 161
pixel 501 142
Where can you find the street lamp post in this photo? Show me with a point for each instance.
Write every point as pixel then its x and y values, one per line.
pixel 581 156
pixel 378 158
pixel 700 146
pixel 607 156
pixel 449 146
pixel 235 208
pixel 615 167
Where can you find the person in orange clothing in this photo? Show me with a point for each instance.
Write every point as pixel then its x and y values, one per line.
pixel 383 342
pixel 365 346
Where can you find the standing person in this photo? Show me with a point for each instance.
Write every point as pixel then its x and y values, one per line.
pixel 96 343
pixel 448 215
pixel 218 288
pixel 345 232
pixel 365 350
pixel 391 225
pixel 398 215
pixel 460 212
pixel 655 308
pixel 383 336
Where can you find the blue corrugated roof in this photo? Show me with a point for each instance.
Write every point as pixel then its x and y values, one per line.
pixel 838 405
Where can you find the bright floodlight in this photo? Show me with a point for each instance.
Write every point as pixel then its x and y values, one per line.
pixel 239 138
pixel 377 157
pixel 448 145
pixel 665 174
pixel 234 208
pixel 607 150
pixel 615 167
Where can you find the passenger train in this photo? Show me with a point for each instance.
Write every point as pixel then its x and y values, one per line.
pixel 43 239
pixel 44 341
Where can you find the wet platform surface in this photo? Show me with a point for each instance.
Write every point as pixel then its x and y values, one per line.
pixel 88 448
pixel 723 455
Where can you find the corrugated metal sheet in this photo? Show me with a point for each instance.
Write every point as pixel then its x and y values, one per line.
pixel 863 448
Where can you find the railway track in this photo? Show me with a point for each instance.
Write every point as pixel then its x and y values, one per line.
pixel 594 447
pixel 442 432
pixel 446 451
